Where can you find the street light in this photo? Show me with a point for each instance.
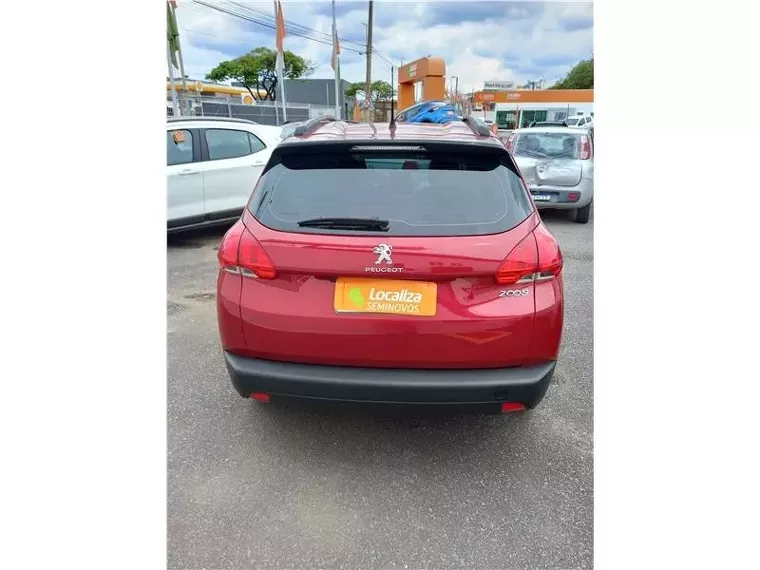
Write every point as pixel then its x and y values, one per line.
pixel 456 88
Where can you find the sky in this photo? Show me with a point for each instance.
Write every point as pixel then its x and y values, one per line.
pixel 479 40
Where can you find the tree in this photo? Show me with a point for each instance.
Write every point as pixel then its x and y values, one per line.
pixel 381 91
pixel 581 76
pixel 257 68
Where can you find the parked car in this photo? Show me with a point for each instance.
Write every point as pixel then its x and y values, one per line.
pixel 406 114
pixel 557 164
pixel 402 266
pixel 581 121
pixel 212 165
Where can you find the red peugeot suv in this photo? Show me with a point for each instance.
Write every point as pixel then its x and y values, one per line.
pixel 398 264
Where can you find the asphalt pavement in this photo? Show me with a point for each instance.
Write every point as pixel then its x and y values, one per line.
pixel 255 486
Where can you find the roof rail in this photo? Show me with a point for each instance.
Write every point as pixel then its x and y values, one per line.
pixel 210 118
pixel 476 127
pixel 312 124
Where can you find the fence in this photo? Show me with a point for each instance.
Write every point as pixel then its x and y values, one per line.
pixel 263 112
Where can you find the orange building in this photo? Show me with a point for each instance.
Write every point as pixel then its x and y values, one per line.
pixel 523 107
pixel 421 80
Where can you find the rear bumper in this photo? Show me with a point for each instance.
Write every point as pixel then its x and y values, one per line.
pixel 473 387
pixel 560 196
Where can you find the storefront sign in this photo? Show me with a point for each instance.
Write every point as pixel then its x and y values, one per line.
pixel 498 85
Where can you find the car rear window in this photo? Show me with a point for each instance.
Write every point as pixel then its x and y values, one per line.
pixel 418 192
pixel 548 145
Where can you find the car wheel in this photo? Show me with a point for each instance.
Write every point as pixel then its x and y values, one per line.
pixel 582 214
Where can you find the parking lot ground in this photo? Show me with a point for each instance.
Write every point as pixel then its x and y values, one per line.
pixel 254 486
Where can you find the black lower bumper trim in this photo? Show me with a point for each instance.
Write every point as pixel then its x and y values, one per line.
pixel 526 385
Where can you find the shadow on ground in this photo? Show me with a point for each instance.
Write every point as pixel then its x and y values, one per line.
pixel 196 239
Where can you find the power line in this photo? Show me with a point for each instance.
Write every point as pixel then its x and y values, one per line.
pixel 375 52
pixel 290 27
pixel 269 25
pixel 265 24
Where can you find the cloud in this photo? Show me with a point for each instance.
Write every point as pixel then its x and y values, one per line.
pixel 479 41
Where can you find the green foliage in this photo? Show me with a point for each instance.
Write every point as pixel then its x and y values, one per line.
pixel 581 76
pixel 381 90
pixel 257 68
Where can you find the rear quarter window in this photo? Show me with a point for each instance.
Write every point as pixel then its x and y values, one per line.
pixel 228 143
pixel 419 193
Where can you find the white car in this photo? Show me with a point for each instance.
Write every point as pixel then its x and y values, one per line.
pixel 581 121
pixel 212 165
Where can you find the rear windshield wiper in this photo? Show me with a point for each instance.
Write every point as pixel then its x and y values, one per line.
pixel 356 224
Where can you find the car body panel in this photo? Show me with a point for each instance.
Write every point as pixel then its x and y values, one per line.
pixel 228 183
pixel 562 197
pixel 293 317
pixel 184 181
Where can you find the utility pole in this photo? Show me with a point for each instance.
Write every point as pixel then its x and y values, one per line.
pixel 172 34
pixel 175 105
pixel 368 88
pixel 172 7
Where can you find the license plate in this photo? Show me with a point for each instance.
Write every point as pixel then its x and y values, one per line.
pixel 386 296
pixel 542 197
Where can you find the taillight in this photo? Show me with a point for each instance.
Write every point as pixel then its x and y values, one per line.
pixel 535 258
pixel 585 148
pixel 228 249
pixel 521 263
pixel 510 143
pixel 549 254
pixel 240 253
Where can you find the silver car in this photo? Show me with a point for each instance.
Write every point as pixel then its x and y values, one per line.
pixel 557 164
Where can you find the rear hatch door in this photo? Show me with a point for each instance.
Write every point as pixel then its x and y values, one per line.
pixel 419 292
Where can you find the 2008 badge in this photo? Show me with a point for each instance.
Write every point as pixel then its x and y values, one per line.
pixel 514 293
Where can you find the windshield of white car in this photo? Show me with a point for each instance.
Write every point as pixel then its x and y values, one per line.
pixel 572 122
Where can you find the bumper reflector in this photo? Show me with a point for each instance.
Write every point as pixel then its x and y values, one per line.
pixel 260 397
pixel 510 407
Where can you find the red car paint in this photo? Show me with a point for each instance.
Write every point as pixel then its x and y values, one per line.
pixel 281 307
